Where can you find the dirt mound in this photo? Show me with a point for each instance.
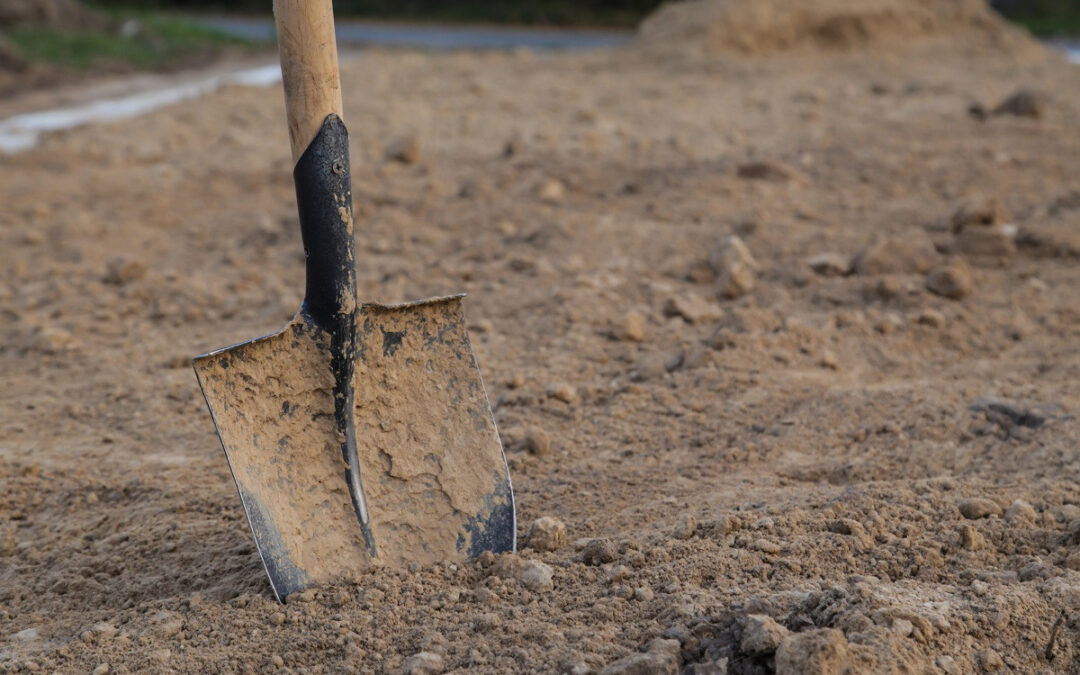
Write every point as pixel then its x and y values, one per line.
pixel 766 26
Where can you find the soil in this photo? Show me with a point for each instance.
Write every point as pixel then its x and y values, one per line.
pixel 887 471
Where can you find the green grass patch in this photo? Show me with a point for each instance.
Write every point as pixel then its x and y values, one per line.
pixel 141 40
pixel 1066 24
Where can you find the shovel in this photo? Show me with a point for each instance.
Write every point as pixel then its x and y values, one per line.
pixel 360 434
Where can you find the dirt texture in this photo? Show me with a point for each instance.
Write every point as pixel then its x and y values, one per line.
pixel 835 468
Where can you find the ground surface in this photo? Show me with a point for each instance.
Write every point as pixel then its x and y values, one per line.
pixel 807 450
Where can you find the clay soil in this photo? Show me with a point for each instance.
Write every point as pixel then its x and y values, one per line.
pixel 818 449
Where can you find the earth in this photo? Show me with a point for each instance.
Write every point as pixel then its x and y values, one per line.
pixel 781 342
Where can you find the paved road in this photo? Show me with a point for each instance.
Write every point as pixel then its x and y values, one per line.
pixel 437 36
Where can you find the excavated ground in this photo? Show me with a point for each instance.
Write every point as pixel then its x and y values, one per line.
pixel 819 449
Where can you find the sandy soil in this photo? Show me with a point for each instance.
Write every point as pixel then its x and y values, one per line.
pixel 818 449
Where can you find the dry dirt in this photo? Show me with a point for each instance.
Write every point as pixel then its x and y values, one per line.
pixel 889 472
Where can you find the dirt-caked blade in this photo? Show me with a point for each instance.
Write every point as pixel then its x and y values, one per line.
pixel 430 481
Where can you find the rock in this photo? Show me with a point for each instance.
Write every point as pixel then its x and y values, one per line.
pixel 829 360
pixel 911 254
pixel 766 546
pixel 599 552
pixel 277 661
pixel 26 635
pixel 769 171
pixel 830 264
pixel 536 576
pixel 692 308
pixel 1021 513
pixel 546 534
pixel 761 635
pixel 643 594
pixel 424 663
pixel 102 669
pixel 686 527
pixel 1022 103
pixel 931 318
pixel 823 651
pixel 119 271
pixel 985 242
pixel 734 267
pixel 563 392
pixel 970 538
pixel 974 509
pixel 404 149
pixel 947 664
pixel 551 190
pixel 979 212
pixel 104 630
pixel 661 659
pixel 953 281
pixel 166 623
pixel 989 661
pixel 536 442
pixel 631 327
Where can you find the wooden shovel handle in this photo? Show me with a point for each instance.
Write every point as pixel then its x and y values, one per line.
pixel 309 67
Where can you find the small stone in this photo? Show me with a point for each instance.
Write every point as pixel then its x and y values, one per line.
pixel 104 630
pixel 1022 103
pixel 424 663
pixel 973 509
pixel 563 392
pixel 823 651
pixel 536 576
pixel 830 264
pixel 971 539
pixel 908 255
pixel 997 241
pixel 277 661
pixel 947 664
pixel 102 669
pixel 546 534
pixel 829 360
pixel 599 552
pixel 1072 561
pixel 277 618
pixel 26 635
pixel 650 663
pixel 931 318
pixel 536 442
pixel 551 190
pixel 631 327
pixel 404 149
pixel 1021 513
pixel 643 594
pixel 766 546
pixel 953 281
pixel 979 212
pixel 989 661
pixel 902 627
pixel 119 271
pixel 692 308
pixel 761 634
pixel 734 267
pixel 161 655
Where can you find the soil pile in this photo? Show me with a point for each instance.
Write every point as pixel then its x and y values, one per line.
pixel 766 26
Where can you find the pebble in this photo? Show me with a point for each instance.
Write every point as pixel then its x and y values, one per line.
pixel 976 508
pixel 277 661
pixel 102 669
pixel 912 254
pixel 953 280
pixel 404 149
pixel 537 442
pixel 766 546
pixel 692 308
pixel 686 527
pixel 996 241
pixel 1022 103
pixel 598 552
pixel 551 190
pixel 546 534
pixel 989 661
pixel 643 594
pixel 981 211
pixel 830 264
pixel 563 392
pixel 536 576
pixel 761 634
pixel 734 266
pixel 1020 513
pixel 947 664
pixel 424 663
pixel 631 327
pixel 823 651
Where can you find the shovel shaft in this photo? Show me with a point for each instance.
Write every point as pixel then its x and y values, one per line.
pixel 309 67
